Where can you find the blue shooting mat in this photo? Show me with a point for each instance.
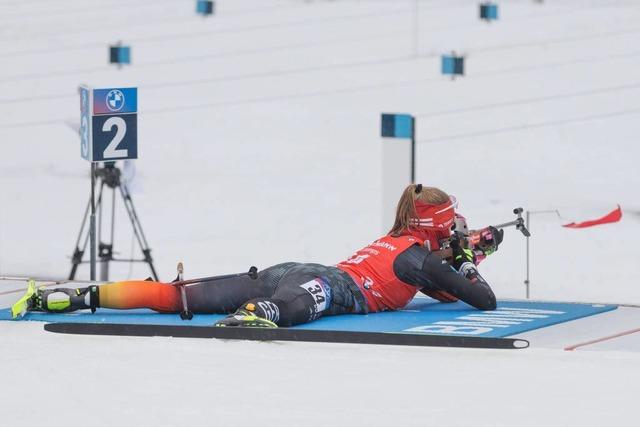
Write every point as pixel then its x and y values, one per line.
pixel 421 316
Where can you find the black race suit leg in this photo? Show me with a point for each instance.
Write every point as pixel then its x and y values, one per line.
pixel 227 295
pixel 307 292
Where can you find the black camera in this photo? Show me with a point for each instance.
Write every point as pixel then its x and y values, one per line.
pixel 110 174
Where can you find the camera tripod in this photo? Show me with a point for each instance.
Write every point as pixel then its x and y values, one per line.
pixel 109 176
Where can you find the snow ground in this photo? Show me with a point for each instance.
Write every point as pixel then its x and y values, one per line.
pixel 259 142
pixel 165 382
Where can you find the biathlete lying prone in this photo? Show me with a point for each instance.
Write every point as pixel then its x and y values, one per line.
pixel 384 275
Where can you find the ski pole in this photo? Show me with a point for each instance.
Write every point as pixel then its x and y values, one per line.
pixel 252 273
pixel 187 314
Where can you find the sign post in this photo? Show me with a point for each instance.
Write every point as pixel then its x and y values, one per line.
pixel 398 160
pixel 108 132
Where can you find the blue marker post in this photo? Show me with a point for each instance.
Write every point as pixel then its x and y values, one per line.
pixel 488 11
pixel 453 65
pixel 119 55
pixel 398 132
pixel 205 7
pixel 401 126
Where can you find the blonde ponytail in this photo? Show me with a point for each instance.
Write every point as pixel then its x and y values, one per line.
pixel 406 209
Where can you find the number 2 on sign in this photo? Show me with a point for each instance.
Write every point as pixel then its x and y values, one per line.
pixel 111 151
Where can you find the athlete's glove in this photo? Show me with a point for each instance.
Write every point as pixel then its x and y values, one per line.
pixel 489 239
pixel 461 254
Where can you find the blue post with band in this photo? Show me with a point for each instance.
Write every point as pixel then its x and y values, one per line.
pixel 119 54
pixel 401 126
pixel 489 11
pixel 453 65
pixel 205 7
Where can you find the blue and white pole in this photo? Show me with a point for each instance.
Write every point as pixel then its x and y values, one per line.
pixel 398 132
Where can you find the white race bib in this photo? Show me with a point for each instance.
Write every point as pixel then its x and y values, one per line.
pixel 320 292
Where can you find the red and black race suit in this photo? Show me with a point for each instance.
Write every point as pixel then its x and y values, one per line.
pixel 391 270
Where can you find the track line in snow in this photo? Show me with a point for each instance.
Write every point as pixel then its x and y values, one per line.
pixel 91 8
pixel 599 340
pixel 206 56
pixel 528 101
pixel 551 123
pixel 355 89
pixel 347 19
pixel 144 21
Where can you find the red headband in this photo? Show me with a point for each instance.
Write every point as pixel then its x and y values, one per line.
pixel 434 217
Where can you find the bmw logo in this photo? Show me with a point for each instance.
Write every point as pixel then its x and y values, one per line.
pixel 115 100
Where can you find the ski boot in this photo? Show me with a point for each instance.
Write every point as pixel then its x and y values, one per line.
pixel 245 318
pixel 60 300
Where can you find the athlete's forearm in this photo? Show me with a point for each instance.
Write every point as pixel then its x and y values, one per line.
pixel 477 294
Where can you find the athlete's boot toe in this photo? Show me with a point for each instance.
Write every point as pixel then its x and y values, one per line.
pixel 246 319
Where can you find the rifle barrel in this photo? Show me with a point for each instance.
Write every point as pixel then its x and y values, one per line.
pixel 515 222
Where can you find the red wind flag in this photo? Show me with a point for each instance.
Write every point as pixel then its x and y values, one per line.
pixel 613 216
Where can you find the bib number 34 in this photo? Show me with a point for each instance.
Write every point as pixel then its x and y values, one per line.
pixel 321 293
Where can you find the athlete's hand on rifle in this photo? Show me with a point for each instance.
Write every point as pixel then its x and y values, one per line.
pixel 489 239
pixel 461 254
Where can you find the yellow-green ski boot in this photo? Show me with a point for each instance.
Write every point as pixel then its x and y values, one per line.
pixel 59 300
pixel 246 319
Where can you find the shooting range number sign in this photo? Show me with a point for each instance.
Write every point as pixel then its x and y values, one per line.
pixel 108 124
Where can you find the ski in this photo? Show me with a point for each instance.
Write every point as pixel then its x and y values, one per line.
pixel 23 304
pixel 285 334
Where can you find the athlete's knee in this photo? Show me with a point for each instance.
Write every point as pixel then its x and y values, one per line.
pixel 283 313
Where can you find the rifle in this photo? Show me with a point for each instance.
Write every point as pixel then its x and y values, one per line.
pixel 474 236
